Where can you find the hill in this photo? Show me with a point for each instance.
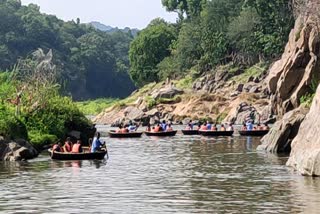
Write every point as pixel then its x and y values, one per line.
pixel 109 29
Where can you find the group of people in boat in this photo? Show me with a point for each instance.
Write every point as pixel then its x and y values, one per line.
pixel 249 126
pixel 70 147
pixel 132 127
pixel 207 126
pixel 160 127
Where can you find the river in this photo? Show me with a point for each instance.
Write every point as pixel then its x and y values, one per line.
pixel 181 174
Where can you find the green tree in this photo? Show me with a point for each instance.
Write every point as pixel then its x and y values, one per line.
pixel 148 49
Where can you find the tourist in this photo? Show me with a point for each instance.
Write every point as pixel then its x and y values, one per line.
pixel 259 127
pixel 169 128
pixel 208 125
pixel 204 127
pixel 222 128
pixel 158 128
pixel 249 125
pixel 163 125
pixel 132 127
pixel 97 143
pixel 77 147
pixel 244 127
pixel 214 127
pixel 68 145
pixel 230 127
pixel 265 127
pixel 148 129
pixel 190 124
pixel 119 129
pixel 57 147
pixel 125 129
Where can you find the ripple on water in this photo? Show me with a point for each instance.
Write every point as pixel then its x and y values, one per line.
pixel 167 175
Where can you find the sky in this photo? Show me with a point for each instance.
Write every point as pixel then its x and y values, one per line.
pixel 116 13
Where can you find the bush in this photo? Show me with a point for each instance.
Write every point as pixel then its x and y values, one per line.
pixel 10 126
pixel 94 107
pixel 39 140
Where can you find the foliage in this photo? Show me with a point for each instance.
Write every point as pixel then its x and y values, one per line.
pixel 94 107
pixel 87 58
pixel 253 71
pixel 149 48
pixel 39 139
pixel 306 100
pixel 11 126
pixel 185 83
pixel 151 102
pixel 190 8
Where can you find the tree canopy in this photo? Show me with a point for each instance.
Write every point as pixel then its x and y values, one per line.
pixel 92 63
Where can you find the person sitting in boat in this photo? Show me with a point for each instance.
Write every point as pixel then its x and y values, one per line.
pixel 214 127
pixel 244 127
pixel 169 128
pixel 164 125
pixel 259 127
pixel 187 127
pixel 199 127
pixel 208 125
pixel 97 144
pixel 119 129
pixel 203 127
pixel 190 124
pixel 230 127
pixel 222 128
pixel 77 148
pixel 265 127
pixel 67 145
pixel 57 147
pixel 125 129
pixel 158 128
pixel 249 125
pixel 148 129
pixel 132 127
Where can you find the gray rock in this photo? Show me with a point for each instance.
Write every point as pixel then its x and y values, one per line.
pixel 279 139
pixel 168 92
pixel 16 151
pixel 255 89
pixel 240 87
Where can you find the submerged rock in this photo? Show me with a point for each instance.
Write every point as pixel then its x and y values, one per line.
pixel 279 138
pixel 305 154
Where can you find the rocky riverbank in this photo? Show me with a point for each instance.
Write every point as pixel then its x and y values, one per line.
pixel 16 150
pixel 223 95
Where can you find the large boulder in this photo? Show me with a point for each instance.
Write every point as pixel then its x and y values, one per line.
pixel 243 113
pixel 293 75
pixel 305 154
pixel 17 150
pixel 279 138
pixel 167 92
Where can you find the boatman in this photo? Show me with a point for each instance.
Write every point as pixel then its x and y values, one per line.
pixel 249 125
pixel 97 143
pixel 132 127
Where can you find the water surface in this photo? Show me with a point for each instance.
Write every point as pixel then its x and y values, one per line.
pixel 181 174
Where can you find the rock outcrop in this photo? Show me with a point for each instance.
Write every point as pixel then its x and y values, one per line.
pixel 279 138
pixel 305 154
pixel 293 75
pixel 16 150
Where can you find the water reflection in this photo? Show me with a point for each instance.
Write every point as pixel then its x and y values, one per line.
pixel 161 175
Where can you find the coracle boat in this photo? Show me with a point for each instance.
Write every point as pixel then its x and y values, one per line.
pixel 161 134
pixel 216 133
pixel 78 156
pixel 113 134
pixel 190 132
pixel 254 133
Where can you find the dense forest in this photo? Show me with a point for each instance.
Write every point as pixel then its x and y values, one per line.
pixel 91 63
pixel 207 34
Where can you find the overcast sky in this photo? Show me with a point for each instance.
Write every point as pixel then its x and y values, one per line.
pixel 116 13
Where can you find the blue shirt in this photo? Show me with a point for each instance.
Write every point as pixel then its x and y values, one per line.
pixel 191 126
pixel 96 144
pixel 249 126
pixel 209 126
pixel 132 128
pixel 164 126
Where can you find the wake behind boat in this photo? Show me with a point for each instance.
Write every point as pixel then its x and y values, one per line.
pixel 253 132
pixel 114 134
pixel 161 134
pixel 216 133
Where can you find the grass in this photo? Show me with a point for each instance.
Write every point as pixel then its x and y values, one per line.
pixel 306 100
pixel 185 83
pixel 254 71
pixel 94 107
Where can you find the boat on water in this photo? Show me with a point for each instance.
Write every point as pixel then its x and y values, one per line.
pixel 253 132
pixel 190 132
pixel 78 156
pixel 114 134
pixel 216 133
pixel 161 134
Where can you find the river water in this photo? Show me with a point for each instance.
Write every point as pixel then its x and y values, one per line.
pixel 181 174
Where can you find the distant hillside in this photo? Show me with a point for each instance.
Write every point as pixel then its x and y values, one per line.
pixel 109 29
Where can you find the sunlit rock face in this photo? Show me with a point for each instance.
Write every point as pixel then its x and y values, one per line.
pixel 305 154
